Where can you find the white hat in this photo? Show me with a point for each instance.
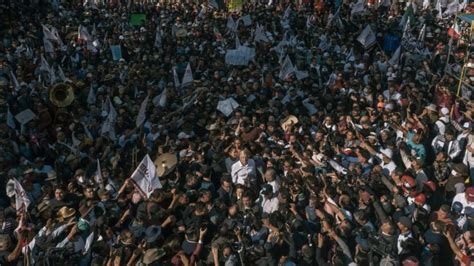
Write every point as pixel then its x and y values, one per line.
pixel 387 152
pixel 183 135
pixel 444 111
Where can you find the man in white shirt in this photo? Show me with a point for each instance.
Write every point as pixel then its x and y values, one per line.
pixel 242 169
pixel 272 179
pixel 466 198
pixel 268 201
pixel 404 225
pixel 387 164
pixel 443 121
pixel 447 143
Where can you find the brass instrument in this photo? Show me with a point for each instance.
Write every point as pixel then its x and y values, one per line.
pixel 61 94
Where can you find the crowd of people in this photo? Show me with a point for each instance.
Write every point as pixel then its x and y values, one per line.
pixel 345 136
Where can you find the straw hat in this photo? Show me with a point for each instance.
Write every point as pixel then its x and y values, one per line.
pixel 152 255
pixel 212 127
pixel 289 120
pixel 126 237
pixel 165 163
pixel 432 108
pixel 181 33
pixel 65 213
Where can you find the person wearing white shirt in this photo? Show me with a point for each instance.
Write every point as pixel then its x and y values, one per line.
pixel 468 158
pixel 272 179
pixel 268 201
pixel 466 199
pixel 404 225
pixel 391 94
pixel 385 155
pixel 443 121
pixel 242 169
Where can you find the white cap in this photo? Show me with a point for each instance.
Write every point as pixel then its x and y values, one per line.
pixel 183 135
pixel 444 111
pixel 387 152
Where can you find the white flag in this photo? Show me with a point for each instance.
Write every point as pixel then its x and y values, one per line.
pixel 160 100
pixel 301 74
pixel 22 201
pixel 88 243
pixel 367 37
pixel 83 34
pixel 213 4
pixel 145 177
pixel 44 65
pixel 227 106
pixel 158 40
pixel 57 38
pixel 98 178
pixel 358 7
pixel 48 46
pixel 61 75
pixel 231 25
pixel 237 41
pixel 108 126
pixel 91 96
pixel 188 77
pixel 247 20
pixel 176 79
pixel 10 119
pixel 16 85
pixel 286 69
pixel 438 8
pixel 287 13
pixel 260 35
pixel 48 34
pixel 452 8
pixel 395 57
pixel 426 4
pixel 421 36
pixel 141 117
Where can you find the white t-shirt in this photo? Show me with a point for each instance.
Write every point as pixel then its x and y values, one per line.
pixel 461 198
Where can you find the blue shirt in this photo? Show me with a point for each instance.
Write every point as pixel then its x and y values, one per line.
pixel 419 149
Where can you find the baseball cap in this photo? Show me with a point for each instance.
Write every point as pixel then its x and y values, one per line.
pixel 420 199
pixel 457 207
pixel 408 181
pixel 469 194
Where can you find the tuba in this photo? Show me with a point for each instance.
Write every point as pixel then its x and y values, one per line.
pixel 61 94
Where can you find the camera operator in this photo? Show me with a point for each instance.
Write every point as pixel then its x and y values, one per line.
pixel 383 245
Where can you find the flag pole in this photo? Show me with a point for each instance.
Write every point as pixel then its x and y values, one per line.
pixel 466 57
pixel 450 47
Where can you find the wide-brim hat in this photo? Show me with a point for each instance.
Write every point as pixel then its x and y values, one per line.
pixel 152 233
pixel 289 120
pixel 51 175
pixel 212 127
pixel 181 33
pixel 66 212
pixel 460 169
pixel 127 238
pixel 431 107
pixel 152 255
